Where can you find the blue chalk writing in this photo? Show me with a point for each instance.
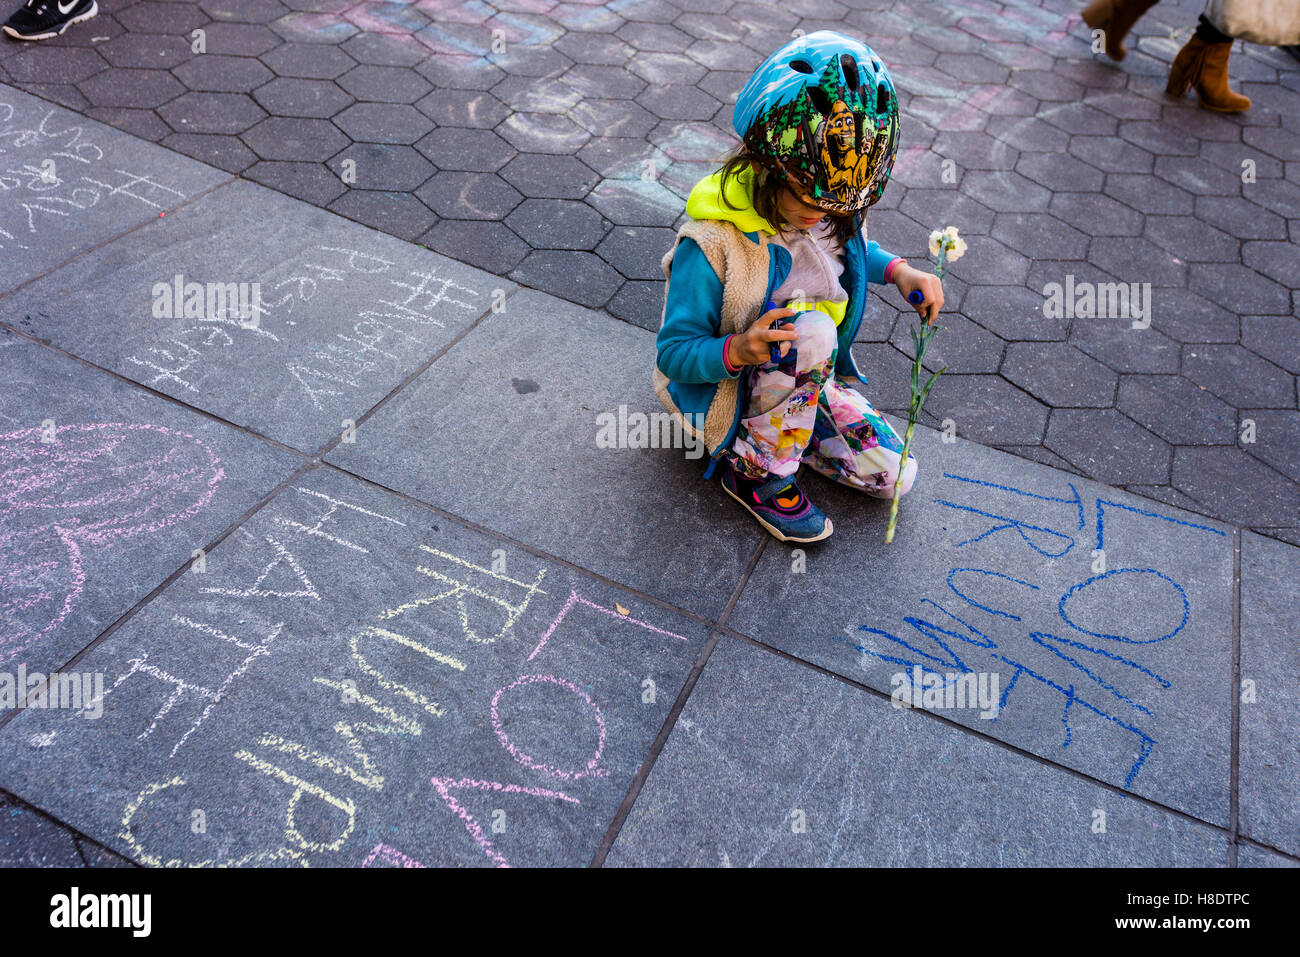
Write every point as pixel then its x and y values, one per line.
pixel 1187 607
pixel 970 601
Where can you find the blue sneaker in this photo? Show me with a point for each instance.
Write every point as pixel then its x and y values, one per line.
pixel 779 506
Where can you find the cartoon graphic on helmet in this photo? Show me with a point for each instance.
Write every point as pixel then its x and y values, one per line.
pixel 822 113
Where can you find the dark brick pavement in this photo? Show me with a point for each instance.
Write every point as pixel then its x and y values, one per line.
pixel 555 143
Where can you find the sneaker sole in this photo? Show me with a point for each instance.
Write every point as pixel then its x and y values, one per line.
pixel 775 532
pixel 93 11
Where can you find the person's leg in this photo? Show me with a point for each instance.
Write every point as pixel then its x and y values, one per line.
pixel 1115 18
pixel 1203 63
pixel 854 445
pixel 782 406
pixel 777 425
pixel 43 19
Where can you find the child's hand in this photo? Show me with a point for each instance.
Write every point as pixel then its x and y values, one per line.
pixel 908 279
pixel 751 346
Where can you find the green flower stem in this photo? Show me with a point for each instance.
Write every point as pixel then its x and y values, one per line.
pixel 920 343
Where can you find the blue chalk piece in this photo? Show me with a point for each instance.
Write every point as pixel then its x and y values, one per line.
pixel 916 297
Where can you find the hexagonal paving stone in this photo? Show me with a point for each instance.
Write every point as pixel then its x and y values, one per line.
pixel 1111 154
pixel 385 49
pixel 605 117
pixel 1028 133
pixel 1240 289
pixel 1118 346
pixel 461 195
pixel 177 19
pixel 990 262
pixel 1057 172
pixel 460 72
pixel 142 123
pixel 636 203
pixel 1013 312
pixel 211 113
pixel 1238 376
pixel 489 246
pixel 1040 235
pixel 1279 143
pixel 310 61
pixel 549 177
pixel 653 37
pixel 303 27
pixel 398 214
pixel 974 150
pixel 132 88
pixel 1108 446
pixel 986 409
pixel 1176 410
pixel 1276 440
pixel 1096 214
pixel 217 73
pixel 467 150
pixel 384 84
pixel 528 94
pixel 1198 176
pixel 947 207
pixel 472 109
pixel 637 251
pixel 543 133
pixel 1081 119
pixel 659 69
pixel 640 303
pixel 677 102
pixel 1060 375
pixel 1137 260
pixel 1187 317
pixel 962 346
pixel 1191 239
pixel 244 11
pixel 580 277
pixel 1276 338
pixel 222 151
pixel 384 166
pixel 1148 195
pixel 310 182
pixel 383 123
pixel 239 39
pixel 1241 218
pixel 1216 477
pixel 613 82
pixel 46 64
pixel 146 51
pixel 286 138
pixel 557 224
pixel 293 96
pixel 595 48
pixel 1158 138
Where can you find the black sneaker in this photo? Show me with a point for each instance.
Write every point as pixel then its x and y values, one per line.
pixel 42 19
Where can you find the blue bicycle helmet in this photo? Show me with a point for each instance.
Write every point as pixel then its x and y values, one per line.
pixel 822 113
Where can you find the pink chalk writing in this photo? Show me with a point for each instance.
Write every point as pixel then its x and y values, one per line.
pixel 72 488
pixel 530 762
pixel 576 599
pixel 390 855
pixel 444 787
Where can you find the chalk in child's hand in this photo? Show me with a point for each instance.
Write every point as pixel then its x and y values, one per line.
pixel 916 297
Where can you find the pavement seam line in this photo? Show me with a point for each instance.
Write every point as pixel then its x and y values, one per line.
pixel 158 589
pixel 122 235
pixel 1005 745
pixel 211 416
pixel 418 371
pixel 670 722
pixel 77 835
pixel 1234 754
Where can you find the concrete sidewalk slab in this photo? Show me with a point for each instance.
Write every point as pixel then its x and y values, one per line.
pixel 358 681
pixel 28 839
pixel 68 183
pixel 1270 692
pixel 1118 664
pixel 346 313
pixel 774 764
pixel 105 490
pixel 503 431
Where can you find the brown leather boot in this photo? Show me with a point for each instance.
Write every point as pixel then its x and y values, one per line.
pixel 1115 18
pixel 1205 66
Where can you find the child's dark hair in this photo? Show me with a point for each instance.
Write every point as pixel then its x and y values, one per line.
pixel 767 189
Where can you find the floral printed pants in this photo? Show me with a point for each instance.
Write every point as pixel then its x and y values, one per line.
pixel 797 412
